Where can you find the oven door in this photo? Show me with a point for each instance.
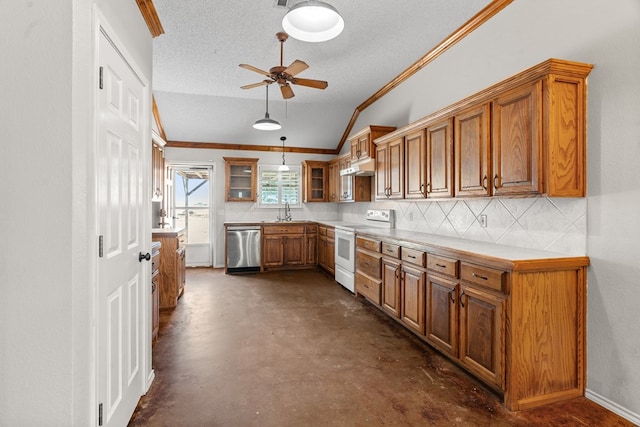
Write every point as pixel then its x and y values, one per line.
pixel 345 250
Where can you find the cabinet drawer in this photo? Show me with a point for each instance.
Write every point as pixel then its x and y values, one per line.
pixel 322 231
pixel 483 276
pixel 414 256
pixel 283 229
pixel 331 233
pixel 391 250
pixel 443 265
pixel 368 264
pixel 368 287
pixel 371 244
pixel 311 229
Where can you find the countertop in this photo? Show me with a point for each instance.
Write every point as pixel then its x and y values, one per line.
pixel 175 230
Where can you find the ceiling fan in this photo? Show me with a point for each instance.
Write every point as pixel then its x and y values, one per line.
pixel 284 75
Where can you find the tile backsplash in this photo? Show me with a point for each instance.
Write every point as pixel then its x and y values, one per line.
pixel 553 224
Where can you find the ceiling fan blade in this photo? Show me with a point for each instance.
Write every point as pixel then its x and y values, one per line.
pixel 317 84
pixel 287 92
pixel 257 70
pixel 296 67
pixel 262 83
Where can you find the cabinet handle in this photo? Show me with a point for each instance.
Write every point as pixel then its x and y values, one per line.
pixel 461 299
pixel 451 296
pixel 411 256
pixel 495 181
pixel 397 272
pixel 480 277
pixel 428 188
pixel 484 182
pixel 424 194
pixel 441 265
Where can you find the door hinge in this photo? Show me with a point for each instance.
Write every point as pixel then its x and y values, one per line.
pixel 100 246
pixel 100 83
pixel 100 414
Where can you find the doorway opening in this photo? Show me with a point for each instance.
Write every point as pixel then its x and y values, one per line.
pixel 193 210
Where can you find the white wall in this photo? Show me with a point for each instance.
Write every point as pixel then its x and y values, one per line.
pixel 46 273
pixel 606 34
pixel 246 211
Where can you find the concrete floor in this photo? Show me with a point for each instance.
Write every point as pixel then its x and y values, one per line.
pixel 296 349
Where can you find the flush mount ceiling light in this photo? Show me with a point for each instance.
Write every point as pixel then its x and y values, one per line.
pixel 313 21
pixel 266 123
pixel 283 167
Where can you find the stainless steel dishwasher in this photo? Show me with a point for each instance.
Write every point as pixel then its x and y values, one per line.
pixel 243 248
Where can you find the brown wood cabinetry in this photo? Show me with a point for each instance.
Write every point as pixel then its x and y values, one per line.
pixel 390 169
pixel 172 266
pixel 326 248
pixel 368 275
pixel 333 192
pixel 362 146
pixel 286 246
pixel 472 151
pixel 518 326
pixel 157 172
pixel 241 179
pixel 155 291
pixel 315 181
pixel 391 279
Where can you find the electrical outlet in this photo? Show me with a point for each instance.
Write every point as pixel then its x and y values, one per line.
pixel 410 216
pixel 482 219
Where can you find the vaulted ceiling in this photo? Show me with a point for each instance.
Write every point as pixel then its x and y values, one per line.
pixel 197 78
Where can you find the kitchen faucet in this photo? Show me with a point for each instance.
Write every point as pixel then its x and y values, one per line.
pixel 287 211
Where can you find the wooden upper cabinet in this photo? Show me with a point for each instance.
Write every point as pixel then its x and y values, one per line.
pixel 517 141
pixel 333 190
pixel 315 181
pixel 439 159
pixel 390 169
pixel 362 146
pixel 241 176
pixel 472 151
pixel 415 165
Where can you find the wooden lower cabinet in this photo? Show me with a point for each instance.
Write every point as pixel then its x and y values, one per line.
pixel 391 286
pixel 412 284
pixel 518 326
pixel 442 314
pixel 482 323
pixel 326 248
pixel 289 246
pixel 172 266
pixel 155 292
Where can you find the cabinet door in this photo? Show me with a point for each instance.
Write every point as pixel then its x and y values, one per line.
pixel 412 298
pixel 346 182
pixel 415 165
pixel 311 249
pixel 482 334
pixel 181 273
pixel 331 254
pixel 381 171
pixel 322 251
pixel 363 146
pixel 241 179
pixel 294 250
pixel 442 314
pixel 439 158
pixel 333 193
pixel 315 181
pixel 472 152
pixel 517 141
pixel 396 169
pixel 391 286
pixel 273 251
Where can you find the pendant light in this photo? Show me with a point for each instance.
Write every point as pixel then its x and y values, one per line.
pixel 283 167
pixel 313 21
pixel 266 123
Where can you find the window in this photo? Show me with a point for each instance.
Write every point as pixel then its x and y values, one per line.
pixel 278 187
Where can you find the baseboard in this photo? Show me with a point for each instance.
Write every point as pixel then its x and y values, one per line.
pixel 613 407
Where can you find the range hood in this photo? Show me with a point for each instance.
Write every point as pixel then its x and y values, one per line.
pixel 363 168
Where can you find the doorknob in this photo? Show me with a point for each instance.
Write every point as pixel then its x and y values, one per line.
pixel 145 257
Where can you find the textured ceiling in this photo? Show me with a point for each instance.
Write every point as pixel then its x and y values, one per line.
pixel 196 77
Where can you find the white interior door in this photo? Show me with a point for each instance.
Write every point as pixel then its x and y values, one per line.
pixel 121 276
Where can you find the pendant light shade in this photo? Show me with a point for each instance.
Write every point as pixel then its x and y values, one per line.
pixel 313 21
pixel 267 123
pixel 283 167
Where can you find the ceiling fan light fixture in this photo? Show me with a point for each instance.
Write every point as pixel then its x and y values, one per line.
pixel 313 21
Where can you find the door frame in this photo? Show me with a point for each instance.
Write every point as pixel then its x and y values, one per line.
pixel 102 26
pixel 212 200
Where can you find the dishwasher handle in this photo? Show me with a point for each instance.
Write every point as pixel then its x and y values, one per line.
pixel 243 227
